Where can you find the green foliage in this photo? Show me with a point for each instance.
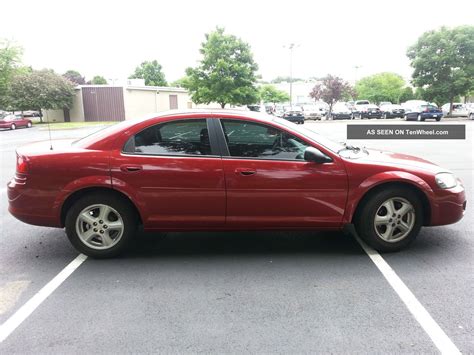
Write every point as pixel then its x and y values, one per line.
pixel 287 79
pixel 269 93
pixel 226 72
pixel 10 56
pixel 75 77
pixel 151 72
pixel 180 83
pixel 380 87
pixel 332 89
pixel 443 63
pixel 98 80
pixel 407 94
pixel 40 89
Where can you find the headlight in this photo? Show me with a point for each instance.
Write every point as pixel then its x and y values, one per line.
pixel 446 180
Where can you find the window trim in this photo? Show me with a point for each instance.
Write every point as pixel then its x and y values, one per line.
pixel 215 151
pixel 226 153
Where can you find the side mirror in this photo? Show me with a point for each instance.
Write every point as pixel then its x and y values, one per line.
pixel 316 156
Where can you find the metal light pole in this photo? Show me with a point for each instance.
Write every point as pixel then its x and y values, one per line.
pixel 290 47
pixel 356 67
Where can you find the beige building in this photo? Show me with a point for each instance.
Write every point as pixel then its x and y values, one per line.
pixel 118 103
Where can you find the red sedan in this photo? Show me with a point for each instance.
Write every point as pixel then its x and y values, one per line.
pixel 224 170
pixel 14 122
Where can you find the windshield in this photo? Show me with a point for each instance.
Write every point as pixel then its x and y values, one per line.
pixel 329 144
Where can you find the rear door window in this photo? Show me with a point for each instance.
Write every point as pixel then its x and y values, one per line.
pixel 183 137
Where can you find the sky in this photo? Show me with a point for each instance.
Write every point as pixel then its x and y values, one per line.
pixel 110 38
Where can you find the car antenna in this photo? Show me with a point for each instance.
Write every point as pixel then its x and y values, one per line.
pixel 50 141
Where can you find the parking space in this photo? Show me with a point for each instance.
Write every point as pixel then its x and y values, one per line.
pixel 239 292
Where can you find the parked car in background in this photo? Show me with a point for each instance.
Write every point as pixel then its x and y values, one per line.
pixel 470 109
pixel 31 113
pixel 359 106
pixel 459 110
pixel 370 111
pixel 341 111
pixel 392 111
pixel 411 105
pixel 14 122
pixel 225 170
pixel 424 112
pixel 383 103
pixel 312 112
pixel 294 114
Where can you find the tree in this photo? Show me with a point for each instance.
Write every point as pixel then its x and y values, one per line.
pixel 98 80
pixel 151 72
pixel 10 57
pixel 332 89
pixel 226 72
pixel 75 77
pixel 443 63
pixel 180 83
pixel 381 87
pixel 269 93
pixel 287 79
pixel 40 89
pixel 407 94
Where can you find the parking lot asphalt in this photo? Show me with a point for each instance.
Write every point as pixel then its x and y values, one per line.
pixel 285 292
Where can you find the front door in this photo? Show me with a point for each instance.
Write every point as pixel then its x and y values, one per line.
pixel 176 175
pixel 269 185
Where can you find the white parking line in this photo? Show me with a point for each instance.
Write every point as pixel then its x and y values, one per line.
pixel 29 307
pixel 434 331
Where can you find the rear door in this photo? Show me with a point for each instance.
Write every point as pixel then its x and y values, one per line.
pixel 269 185
pixel 175 173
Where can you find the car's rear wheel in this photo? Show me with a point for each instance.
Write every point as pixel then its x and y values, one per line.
pixel 385 116
pixel 29 125
pixel 100 225
pixel 13 126
pixel 390 220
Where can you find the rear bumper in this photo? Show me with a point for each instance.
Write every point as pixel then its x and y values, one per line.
pixel 371 114
pixel 448 206
pixel 28 206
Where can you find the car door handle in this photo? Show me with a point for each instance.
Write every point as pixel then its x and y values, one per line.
pixel 245 172
pixel 130 168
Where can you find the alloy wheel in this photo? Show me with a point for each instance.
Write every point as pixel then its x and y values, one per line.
pixel 394 219
pixel 99 226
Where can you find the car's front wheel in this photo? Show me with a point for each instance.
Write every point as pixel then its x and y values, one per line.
pixel 13 126
pixel 29 125
pixel 390 219
pixel 100 225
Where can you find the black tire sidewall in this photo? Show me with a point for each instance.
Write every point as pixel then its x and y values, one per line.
pixel 121 206
pixel 365 226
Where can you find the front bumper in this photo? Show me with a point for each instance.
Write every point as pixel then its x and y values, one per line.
pixel 448 206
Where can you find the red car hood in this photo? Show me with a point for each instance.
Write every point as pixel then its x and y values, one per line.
pixel 400 160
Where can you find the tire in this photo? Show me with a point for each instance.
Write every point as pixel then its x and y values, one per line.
pixel 419 118
pixel 13 126
pixel 90 206
pixel 385 116
pixel 438 119
pixel 373 209
pixel 29 125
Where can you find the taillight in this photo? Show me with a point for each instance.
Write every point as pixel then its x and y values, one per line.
pixel 21 165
